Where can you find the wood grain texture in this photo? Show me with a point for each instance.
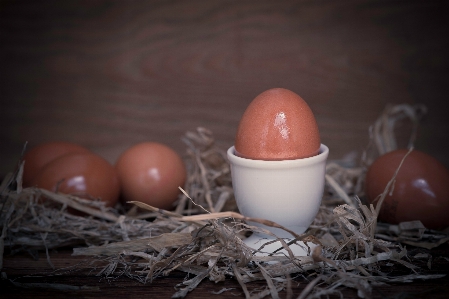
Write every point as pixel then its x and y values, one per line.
pixel 108 74
pixel 78 271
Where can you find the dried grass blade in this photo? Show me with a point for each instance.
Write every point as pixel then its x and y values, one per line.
pixel 391 182
pixel 274 293
pixel 156 243
pixel 19 187
pixel 9 177
pixel 289 287
pixel 145 256
pixel 264 293
pixel 239 216
pixel 154 209
pixel 240 280
pixel 8 204
pixel 73 204
pixel 205 183
pixel 224 196
pixel 108 269
pixel 333 183
pixel 305 292
pixel 193 283
pixel 43 237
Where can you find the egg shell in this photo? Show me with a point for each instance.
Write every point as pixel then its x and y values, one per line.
pixel 39 156
pixel 151 173
pixel 421 189
pixel 277 125
pixel 85 175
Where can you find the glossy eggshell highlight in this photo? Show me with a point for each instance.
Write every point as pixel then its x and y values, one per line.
pixel 39 156
pixel 277 125
pixel 151 172
pixel 421 190
pixel 85 175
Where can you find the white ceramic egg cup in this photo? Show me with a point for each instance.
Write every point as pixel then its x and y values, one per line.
pixel 287 192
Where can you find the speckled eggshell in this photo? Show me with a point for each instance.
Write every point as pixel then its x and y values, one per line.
pixel 39 156
pixel 277 125
pixel 85 175
pixel 151 173
pixel 421 189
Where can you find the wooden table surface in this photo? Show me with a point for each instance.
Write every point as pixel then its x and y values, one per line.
pixel 73 271
pixel 108 74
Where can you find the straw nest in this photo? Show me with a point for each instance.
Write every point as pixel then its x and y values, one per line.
pixel 203 234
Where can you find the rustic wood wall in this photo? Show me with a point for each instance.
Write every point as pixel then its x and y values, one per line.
pixel 107 74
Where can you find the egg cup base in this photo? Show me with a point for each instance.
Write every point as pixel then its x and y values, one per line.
pixel 255 241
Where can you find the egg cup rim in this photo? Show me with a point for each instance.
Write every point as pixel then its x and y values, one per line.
pixel 320 157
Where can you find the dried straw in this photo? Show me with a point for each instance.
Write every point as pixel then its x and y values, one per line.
pixel 203 234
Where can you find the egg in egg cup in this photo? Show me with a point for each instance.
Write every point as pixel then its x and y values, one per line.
pixel 287 192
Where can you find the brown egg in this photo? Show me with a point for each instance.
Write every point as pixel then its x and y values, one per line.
pixel 421 190
pixel 151 172
pixel 277 125
pixel 37 157
pixel 85 175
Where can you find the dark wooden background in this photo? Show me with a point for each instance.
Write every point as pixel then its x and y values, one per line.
pixel 108 74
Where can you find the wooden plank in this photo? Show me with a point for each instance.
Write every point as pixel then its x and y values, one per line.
pixel 108 74
pixel 75 271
